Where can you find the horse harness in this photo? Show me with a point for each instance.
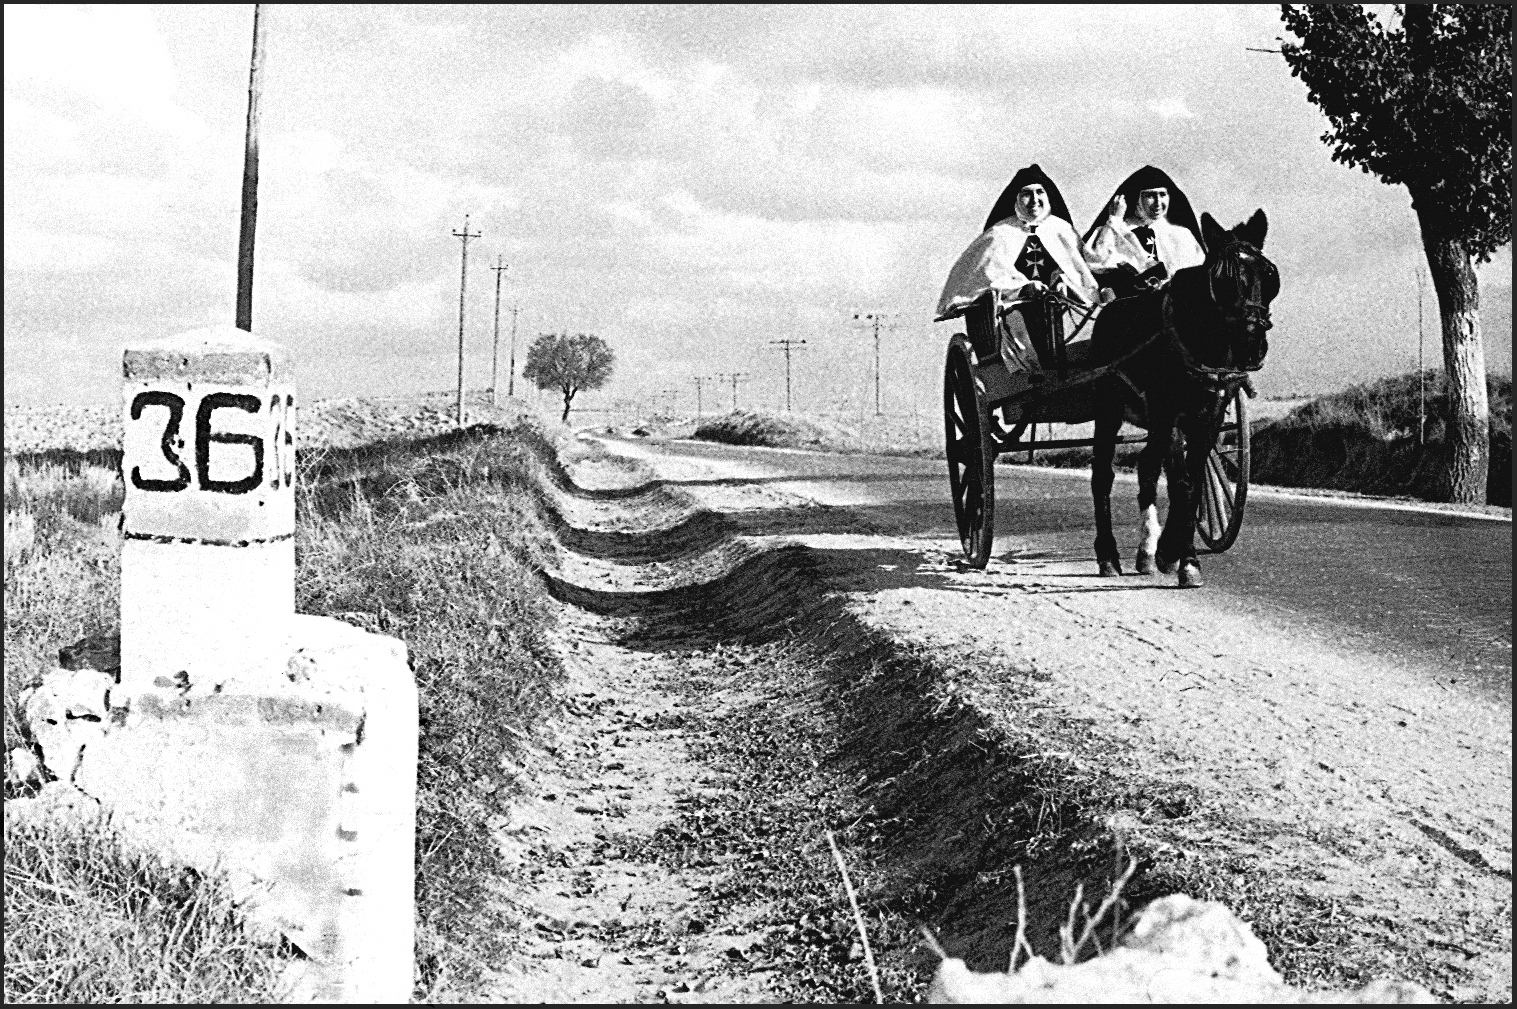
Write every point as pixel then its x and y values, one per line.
pixel 1224 380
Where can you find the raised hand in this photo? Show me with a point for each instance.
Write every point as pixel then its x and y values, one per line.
pixel 1116 210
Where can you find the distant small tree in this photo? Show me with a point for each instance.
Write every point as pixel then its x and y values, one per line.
pixel 568 364
pixel 1427 105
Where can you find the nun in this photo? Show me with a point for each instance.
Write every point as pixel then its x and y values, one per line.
pixel 1144 235
pixel 1029 246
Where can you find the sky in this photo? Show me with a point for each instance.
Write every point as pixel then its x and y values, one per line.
pixel 689 184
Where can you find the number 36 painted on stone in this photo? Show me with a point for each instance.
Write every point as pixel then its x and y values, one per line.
pixel 280 470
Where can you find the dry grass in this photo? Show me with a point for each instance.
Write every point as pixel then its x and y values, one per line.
pixel 1365 439
pixel 895 434
pixel 858 920
pixel 438 550
pixel 1072 948
pixel 62 566
pixel 432 543
pixel 89 921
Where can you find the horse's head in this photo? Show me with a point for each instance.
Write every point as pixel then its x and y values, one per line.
pixel 1241 283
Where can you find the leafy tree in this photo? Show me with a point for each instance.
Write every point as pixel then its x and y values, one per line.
pixel 568 364
pixel 1427 105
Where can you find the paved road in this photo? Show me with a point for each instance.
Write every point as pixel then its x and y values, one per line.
pixel 1431 589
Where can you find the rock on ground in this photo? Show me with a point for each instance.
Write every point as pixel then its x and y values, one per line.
pixel 1179 951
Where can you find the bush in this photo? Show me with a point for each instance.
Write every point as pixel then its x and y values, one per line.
pixel 1364 439
pixel 742 427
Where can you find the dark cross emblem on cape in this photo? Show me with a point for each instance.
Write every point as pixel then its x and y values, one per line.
pixel 1145 237
pixel 1034 262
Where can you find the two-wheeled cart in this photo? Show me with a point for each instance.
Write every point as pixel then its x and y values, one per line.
pixel 991 408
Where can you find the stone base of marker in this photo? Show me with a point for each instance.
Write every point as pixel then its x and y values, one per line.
pixel 297 780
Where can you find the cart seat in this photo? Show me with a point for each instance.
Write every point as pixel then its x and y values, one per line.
pixel 978 320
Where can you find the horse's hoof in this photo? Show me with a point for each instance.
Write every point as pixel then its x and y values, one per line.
pixel 1111 569
pixel 1164 564
pixel 1190 575
pixel 1146 565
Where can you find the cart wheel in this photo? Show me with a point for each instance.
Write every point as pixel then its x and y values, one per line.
pixel 1224 489
pixel 971 454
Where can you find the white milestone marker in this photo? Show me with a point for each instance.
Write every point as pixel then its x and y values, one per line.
pixel 208 458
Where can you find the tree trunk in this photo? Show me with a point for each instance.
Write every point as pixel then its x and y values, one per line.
pixel 1468 445
pixel 569 398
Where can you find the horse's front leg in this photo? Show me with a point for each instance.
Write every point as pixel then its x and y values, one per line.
pixel 1150 463
pixel 1102 475
pixel 1180 529
pixel 1175 541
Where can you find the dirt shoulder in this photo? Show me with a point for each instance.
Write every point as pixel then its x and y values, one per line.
pixel 1352 808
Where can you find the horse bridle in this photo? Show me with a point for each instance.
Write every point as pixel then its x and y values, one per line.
pixel 1254 312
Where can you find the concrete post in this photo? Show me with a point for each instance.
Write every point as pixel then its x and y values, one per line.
pixel 208 459
pixel 279 749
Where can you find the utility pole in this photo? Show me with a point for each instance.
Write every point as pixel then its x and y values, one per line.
pixel 511 378
pixel 787 344
pixel 874 319
pixel 250 181
pixel 1421 374
pixel 699 402
pixel 500 268
pixel 736 376
pixel 463 282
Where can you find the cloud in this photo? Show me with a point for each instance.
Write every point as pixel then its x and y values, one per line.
pixel 1171 108
pixel 112 54
pixel 676 179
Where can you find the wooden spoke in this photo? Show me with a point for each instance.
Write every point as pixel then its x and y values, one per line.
pixel 971 454
pixel 1219 510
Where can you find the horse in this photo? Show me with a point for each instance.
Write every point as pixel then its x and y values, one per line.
pixel 1179 355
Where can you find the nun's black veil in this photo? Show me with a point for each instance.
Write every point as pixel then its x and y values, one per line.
pixel 1149 177
pixel 1006 206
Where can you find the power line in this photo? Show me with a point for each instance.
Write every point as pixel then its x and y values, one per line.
pixel 787 344
pixel 500 269
pixel 463 281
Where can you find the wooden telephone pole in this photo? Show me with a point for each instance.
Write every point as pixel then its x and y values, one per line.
pixel 463 282
pixel 736 376
pixel 699 381
pixel 250 181
pixel 874 319
pixel 500 268
pixel 787 344
pixel 511 378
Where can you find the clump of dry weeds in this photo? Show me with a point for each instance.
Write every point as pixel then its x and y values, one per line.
pixel 88 921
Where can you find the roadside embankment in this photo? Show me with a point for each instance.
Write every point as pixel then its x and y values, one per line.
pixel 1365 440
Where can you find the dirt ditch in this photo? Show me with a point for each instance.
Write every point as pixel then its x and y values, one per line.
pixel 731 705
